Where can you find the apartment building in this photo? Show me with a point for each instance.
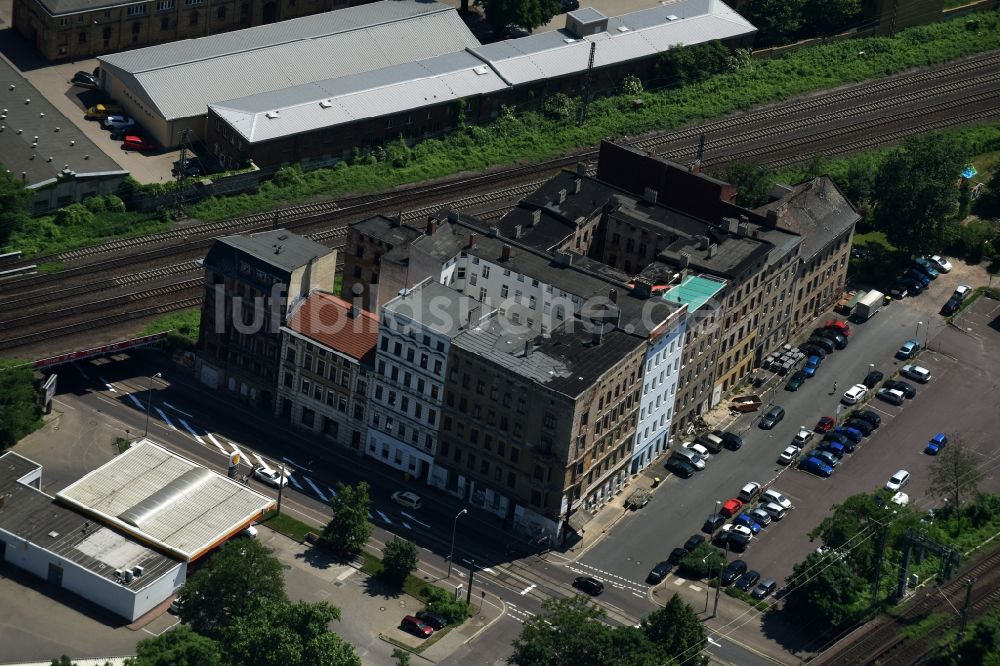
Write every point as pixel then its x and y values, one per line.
pixel 376 260
pixel 327 363
pixel 251 282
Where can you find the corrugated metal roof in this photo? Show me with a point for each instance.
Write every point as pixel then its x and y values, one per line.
pixel 181 79
pixel 369 95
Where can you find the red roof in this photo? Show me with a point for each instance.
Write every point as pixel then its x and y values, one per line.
pixel 328 320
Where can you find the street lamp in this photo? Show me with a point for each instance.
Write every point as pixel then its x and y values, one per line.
pixel 149 403
pixel 454 526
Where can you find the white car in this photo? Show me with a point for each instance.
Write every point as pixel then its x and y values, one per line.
pixel 699 449
pixel 961 291
pixel 901 498
pixel 271 477
pixel 917 372
pixel 118 122
pixel 940 263
pixel 407 499
pixel 740 533
pixel 790 453
pixel 749 492
pixel 855 394
pixel 777 512
pixel 802 437
pixel 897 481
pixel 772 495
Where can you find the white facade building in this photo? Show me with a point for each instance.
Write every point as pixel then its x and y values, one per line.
pixel 659 388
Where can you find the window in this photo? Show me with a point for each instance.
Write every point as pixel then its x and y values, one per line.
pixel 486 272
pixel 64 22
pixel 220 13
pixel 136 10
pixel 305 386
pixel 308 417
pixel 288 380
pixel 164 5
pixel 504 291
pixel 515 454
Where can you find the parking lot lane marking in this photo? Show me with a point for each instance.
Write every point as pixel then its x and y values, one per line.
pixel 263 463
pixel 135 401
pixel 179 411
pixel 188 427
pixel 109 385
pixel 316 489
pixel 528 589
pixel 166 419
pixel 294 482
pixel 343 575
pixel 415 520
pixel 333 493
pixel 874 407
pixel 695 588
pixel 487 570
pixel 679 582
pixel 406 525
pixel 212 438
pixel 291 462
pixel 383 516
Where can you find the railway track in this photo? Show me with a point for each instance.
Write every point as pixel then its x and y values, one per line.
pixel 842 121
pixel 882 642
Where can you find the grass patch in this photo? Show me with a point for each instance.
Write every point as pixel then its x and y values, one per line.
pixel 876 237
pixel 181 328
pixel 925 626
pixel 759 604
pixel 51 266
pixel 44 235
pixel 122 445
pixel 290 527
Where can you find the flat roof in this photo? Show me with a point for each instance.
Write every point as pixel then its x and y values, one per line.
pixel 435 306
pixel 694 291
pixel 166 500
pixel 35 517
pixel 279 248
pixel 286 54
pixel 58 137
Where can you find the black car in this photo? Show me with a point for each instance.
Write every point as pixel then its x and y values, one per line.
pixel 795 382
pixel 841 439
pixel 680 468
pixel 914 287
pixel 693 542
pixel 810 349
pixel 733 570
pixel 951 307
pixel 436 622
pixel 764 588
pixel 772 418
pixel 190 167
pixel 907 389
pixel 587 584
pixel 865 427
pixel 838 340
pixel 822 343
pixel 658 573
pixel 730 440
pixel 676 555
pixel 747 581
pixel 867 415
pixel 873 378
pixel 898 290
pixel 713 523
pixel 85 80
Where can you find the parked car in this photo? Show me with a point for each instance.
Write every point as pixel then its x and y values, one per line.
pixel 416 626
pixel 841 439
pixel 862 426
pixel 118 121
pixel 747 520
pixel 588 584
pixel 676 555
pixel 749 492
pixel 271 477
pixel 796 381
pixel 850 433
pixel 776 511
pixel 733 570
pixel 940 263
pixel 569 5
pixel 811 366
pixel 914 287
pixel 919 276
pixel 85 80
pixel 789 455
pixel 731 507
pixel 138 143
pixel 838 340
pixel 841 327
pixel 898 290
pixel 690 457
pixel 898 480
pixel 951 306
pixel 868 415
pixel 772 417
pixel 407 499
pixel 658 573
pixel 680 468
pixel 802 437
pixel 816 466
pixel 938 442
pixel 747 581
pixel 854 394
pixel 962 291
pixel 437 622
pixel 908 350
pixel 711 441
pixel 698 448
pixel 713 523
pixel 813 350
pixel 825 424
pixel 736 535
pixel 693 542
pixel 191 166
pixel 906 389
pixel 916 372
pixel 764 588
pixel 873 378
pixel 891 396
pixel 730 440
pixel 102 111
pixel 826 457
pixel 772 495
pixel 925 267
pixel 822 343
pixel 760 516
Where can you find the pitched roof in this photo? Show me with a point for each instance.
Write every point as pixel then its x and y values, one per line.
pixel 815 209
pixel 330 322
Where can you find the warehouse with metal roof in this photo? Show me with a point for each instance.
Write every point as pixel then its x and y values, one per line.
pixel 168 88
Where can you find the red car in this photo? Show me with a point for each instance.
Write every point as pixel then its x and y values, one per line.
pixel 839 326
pixel 416 627
pixel 731 507
pixel 825 424
pixel 139 143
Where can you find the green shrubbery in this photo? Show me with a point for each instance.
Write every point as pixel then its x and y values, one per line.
pixel 444 603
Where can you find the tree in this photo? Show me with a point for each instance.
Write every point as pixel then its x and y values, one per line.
pixel 14 201
pixel 402 657
pixel 915 192
pixel 445 604
pixel 527 14
pixel 777 21
pixel 399 559
pixel 62 661
pixel 981 647
pixel 753 180
pixel 181 646
pixel 348 531
pixel 851 523
pixel 680 65
pixel 279 633
pixel 237 578
pixel 567 632
pixel 676 630
pixel 19 410
pixel 827 17
pixel 702 562
pixel 825 590
pixel 955 474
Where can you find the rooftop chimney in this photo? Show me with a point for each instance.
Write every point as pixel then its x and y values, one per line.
pixel 696 166
pixel 597 336
pixel 711 250
pixel 649 195
pixel 564 259
pixel 505 253
pixel 577 186
pixel 703 242
pixel 743 230
pixel 581 169
pixel 396 219
pixel 472 240
pixel 453 216
pixel 613 295
pixel 432 225
pixel 494 232
pixel 517 231
pixel 562 196
pixel 536 217
pixel 684 259
pixel 527 348
pixel 744 219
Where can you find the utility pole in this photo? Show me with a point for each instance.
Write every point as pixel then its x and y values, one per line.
pixel 472 572
pixel 718 583
pixel 880 554
pixel 965 608
pixel 281 486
